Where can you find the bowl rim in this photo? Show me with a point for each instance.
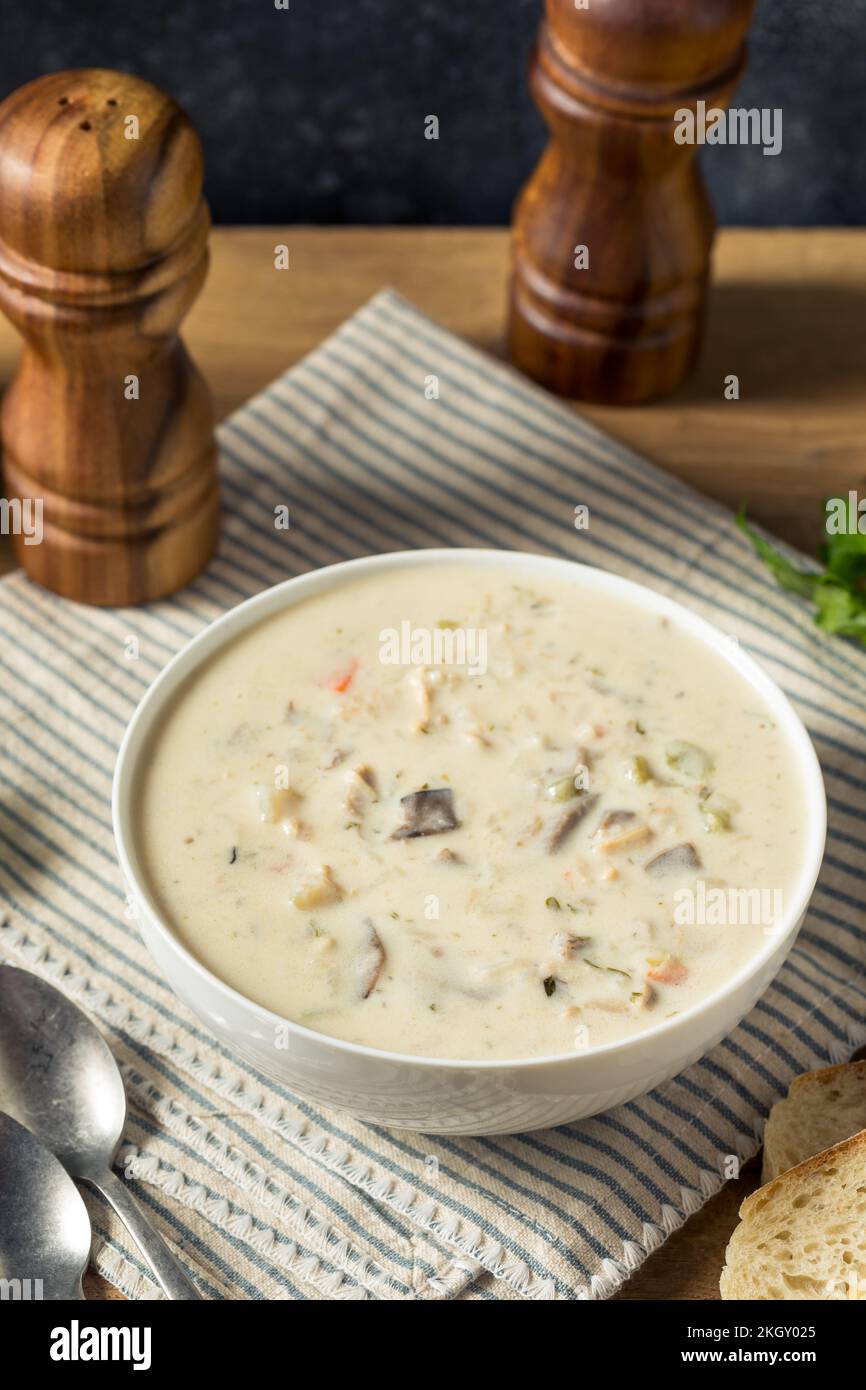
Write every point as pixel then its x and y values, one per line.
pixel 246 614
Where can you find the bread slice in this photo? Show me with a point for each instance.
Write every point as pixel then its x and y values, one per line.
pixel 803 1236
pixel 821 1109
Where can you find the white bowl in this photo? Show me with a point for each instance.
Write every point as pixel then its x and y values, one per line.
pixel 429 1094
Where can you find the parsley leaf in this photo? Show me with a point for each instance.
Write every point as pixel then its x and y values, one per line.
pixel 838 592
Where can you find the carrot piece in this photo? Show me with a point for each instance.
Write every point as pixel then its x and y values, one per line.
pixel 340 681
pixel 670 972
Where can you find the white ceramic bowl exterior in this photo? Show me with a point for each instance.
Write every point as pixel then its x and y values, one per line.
pixel 427 1094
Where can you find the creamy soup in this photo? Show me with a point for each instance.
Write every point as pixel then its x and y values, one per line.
pixel 470 812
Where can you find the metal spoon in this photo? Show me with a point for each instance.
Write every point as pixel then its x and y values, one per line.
pixel 59 1078
pixel 44 1226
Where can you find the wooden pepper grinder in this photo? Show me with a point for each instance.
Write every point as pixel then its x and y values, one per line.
pixel 103 248
pixel 612 234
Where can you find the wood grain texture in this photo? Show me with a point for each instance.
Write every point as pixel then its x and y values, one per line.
pixel 786 312
pixel 689 1264
pixel 97 1287
pixel 103 247
pixel 612 233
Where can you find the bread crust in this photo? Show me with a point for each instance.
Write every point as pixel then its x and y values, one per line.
pixel 824 1075
pixel 804 1169
pixel 809 1116
pixel 781 1194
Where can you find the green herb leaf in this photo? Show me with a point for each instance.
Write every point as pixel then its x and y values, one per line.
pixel 787 575
pixel 845 558
pixel 839 592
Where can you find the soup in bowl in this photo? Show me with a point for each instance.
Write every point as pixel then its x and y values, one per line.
pixel 467 841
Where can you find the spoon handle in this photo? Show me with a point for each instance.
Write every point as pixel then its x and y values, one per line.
pixel 170 1274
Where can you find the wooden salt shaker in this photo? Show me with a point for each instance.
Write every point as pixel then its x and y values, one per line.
pixel 621 321
pixel 103 248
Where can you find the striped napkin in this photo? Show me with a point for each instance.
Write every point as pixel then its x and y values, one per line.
pixel 394 434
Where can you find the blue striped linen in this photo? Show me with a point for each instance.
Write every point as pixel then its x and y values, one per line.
pixel 264 1195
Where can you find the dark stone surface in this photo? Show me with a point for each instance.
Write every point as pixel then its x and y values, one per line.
pixel 316 114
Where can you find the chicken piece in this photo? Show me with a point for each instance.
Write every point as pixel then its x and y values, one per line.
pixel 276 804
pixel 645 997
pixel 566 945
pixel 318 890
pixel 360 783
pixel 419 680
pixel 627 839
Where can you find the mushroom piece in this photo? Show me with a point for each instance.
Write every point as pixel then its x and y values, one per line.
pixel 369 960
pixel 569 822
pixel 427 813
pixel 675 860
